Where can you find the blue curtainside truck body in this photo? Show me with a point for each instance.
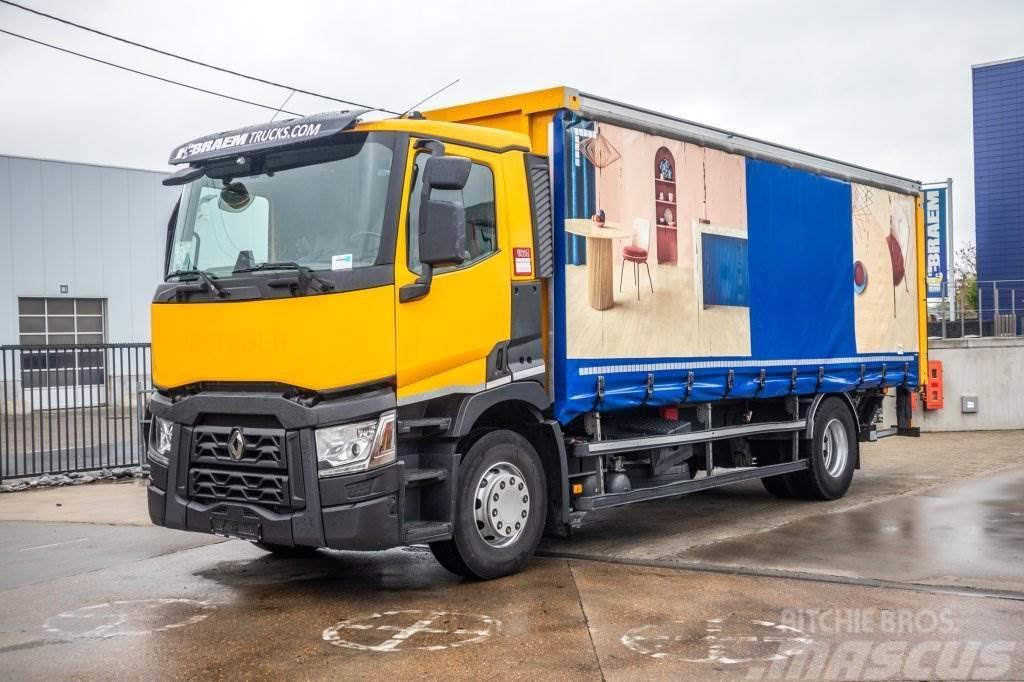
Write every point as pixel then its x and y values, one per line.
pixel 794 281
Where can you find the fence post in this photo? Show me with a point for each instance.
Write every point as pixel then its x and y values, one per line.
pixel 963 307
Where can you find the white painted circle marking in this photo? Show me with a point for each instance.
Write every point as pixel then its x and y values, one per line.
pixel 128 618
pixel 415 629
pixel 724 641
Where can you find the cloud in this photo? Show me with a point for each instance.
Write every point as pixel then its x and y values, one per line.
pixel 885 85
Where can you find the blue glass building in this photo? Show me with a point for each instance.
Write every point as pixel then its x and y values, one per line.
pixel 999 180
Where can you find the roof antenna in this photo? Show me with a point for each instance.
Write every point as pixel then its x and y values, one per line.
pixel 283 105
pixel 428 98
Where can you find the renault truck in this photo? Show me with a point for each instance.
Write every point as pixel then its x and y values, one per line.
pixel 470 327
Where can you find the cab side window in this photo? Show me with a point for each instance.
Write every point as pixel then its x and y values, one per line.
pixel 478 199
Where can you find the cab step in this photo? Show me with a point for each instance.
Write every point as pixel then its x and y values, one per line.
pixel 417 477
pixel 422 532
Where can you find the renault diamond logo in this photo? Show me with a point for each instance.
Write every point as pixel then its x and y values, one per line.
pixel 236 444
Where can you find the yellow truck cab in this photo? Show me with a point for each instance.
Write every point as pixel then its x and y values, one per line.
pixel 360 343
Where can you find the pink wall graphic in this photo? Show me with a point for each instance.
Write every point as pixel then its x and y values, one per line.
pixel 700 191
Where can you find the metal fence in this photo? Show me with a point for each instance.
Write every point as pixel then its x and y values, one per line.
pixel 978 309
pixel 72 408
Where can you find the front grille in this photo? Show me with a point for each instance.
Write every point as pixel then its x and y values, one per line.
pixel 262 447
pixel 257 474
pixel 252 487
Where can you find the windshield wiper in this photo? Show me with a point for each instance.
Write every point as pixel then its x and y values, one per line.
pixel 207 280
pixel 304 277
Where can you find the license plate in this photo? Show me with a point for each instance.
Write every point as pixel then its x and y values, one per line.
pixel 235 529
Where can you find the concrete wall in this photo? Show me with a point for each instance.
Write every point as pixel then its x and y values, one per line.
pixel 991 369
pixel 97 229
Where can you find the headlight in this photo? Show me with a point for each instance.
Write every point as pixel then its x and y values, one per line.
pixel 160 433
pixel 356 447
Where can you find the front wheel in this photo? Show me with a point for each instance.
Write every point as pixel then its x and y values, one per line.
pixel 499 510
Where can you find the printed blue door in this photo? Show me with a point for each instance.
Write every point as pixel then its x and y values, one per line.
pixel 725 274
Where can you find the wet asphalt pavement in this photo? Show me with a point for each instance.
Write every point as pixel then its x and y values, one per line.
pixel 902 580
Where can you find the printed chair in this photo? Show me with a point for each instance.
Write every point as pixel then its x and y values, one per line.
pixel 636 253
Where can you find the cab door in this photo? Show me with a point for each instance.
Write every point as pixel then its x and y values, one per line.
pixel 445 337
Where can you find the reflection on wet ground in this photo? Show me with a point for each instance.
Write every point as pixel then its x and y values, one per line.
pixel 933 589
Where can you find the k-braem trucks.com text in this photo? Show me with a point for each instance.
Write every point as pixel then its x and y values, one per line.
pixel 254 137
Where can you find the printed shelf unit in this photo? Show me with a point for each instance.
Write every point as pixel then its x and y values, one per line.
pixel 665 209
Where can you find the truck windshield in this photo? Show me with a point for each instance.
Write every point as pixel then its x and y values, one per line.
pixel 321 208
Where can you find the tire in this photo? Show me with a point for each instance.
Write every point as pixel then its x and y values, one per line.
pixel 778 486
pixel 832 454
pixel 772 452
pixel 285 550
pixel 495 469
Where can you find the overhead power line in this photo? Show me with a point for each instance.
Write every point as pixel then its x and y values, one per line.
pixel 189 60
pixel 147 75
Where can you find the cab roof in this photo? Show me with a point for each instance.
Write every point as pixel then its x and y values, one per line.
pixel 454 133
pixel 305 130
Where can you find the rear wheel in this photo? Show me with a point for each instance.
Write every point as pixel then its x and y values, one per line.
pixel 832 454
pixel 499 510
pixel 778 486
pixel 773 452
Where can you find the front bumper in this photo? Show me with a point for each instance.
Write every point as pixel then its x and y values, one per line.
pixel 360 511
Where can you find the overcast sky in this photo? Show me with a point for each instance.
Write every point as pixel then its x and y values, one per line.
pixel 882 84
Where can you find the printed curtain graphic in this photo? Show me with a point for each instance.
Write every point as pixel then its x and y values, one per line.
pixel 721 276
pixel 666 274
pixel 580 180
pixel 724 263
pixel 885 253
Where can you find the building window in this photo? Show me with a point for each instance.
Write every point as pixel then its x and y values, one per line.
pixel 61 321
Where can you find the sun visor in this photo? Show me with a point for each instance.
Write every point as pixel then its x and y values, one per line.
pixel 265 136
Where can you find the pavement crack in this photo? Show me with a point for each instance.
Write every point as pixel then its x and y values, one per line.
pixel 586 619
pixel 784 574
pixel 34 644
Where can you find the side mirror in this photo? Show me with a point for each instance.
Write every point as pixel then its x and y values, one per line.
pixel 443 223
pixel 446 172
pixel 442 233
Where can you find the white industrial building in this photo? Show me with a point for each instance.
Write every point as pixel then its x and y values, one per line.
pixel 81 251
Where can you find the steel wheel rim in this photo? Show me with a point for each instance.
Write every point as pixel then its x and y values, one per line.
pixel 501 506
pixel 835 447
